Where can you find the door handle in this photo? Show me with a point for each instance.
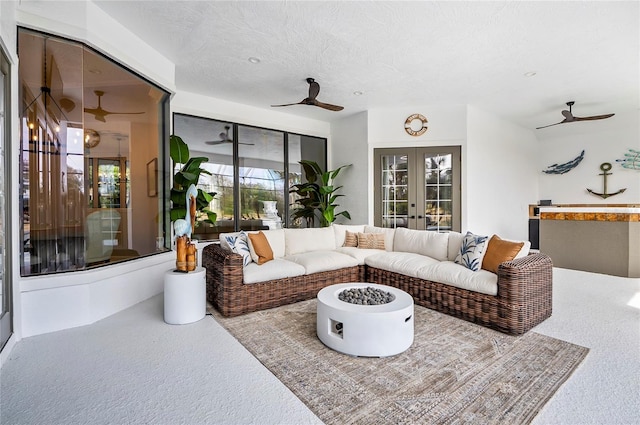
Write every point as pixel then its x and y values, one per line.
pixel 412 217
pixel 420 216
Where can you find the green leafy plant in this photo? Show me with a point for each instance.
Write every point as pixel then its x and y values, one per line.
pixel 317 196
pixel 187 175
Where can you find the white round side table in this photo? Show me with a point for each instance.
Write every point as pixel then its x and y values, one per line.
pixel 185 298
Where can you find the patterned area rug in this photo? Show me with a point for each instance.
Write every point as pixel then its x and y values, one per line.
pixel 455 372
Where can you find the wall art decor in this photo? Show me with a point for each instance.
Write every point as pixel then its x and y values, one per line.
pixel 605 167
pixel 566 167
pixel 415 125
pixel 631 160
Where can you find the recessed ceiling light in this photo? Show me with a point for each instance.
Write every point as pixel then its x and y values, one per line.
pixel 253 59
pixel 529 74
pixel 357 93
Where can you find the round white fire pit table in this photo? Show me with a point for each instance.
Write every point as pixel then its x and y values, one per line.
pixel 365 330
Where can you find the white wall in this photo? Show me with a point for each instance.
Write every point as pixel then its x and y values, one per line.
pixel 203 106
pixel 602 141
pixel 501 175
pixel 447 126
pixel 349 146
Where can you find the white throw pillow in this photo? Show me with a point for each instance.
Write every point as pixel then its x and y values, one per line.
pixel 239 245
pixel 472 251
pixel 431 244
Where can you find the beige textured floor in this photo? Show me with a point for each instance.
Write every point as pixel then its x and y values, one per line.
pixel 133 368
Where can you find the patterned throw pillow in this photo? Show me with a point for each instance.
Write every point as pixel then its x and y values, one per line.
pixel 350 239
pixel 239 245
pixel 371 240
pixel 471 251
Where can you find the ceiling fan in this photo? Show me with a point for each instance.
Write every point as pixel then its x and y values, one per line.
pixel 100 113
pixel 314 89
pixel 224 138
pixel 569 117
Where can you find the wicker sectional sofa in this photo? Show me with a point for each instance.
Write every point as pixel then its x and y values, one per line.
pixel 513 300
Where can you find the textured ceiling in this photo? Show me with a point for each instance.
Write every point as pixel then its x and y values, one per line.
pixel 401 53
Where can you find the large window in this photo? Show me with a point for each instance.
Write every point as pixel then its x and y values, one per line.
pixel 89 127
pixel 251 170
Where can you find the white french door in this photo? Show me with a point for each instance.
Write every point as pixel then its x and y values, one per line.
pixel 417 188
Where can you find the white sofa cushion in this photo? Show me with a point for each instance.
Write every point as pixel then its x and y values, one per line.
pixel 276 241
pixel 340 230
pixel 455 241
pixel 298 241
pixel 432 244
pixel 459 276
pixel 388 235
pixel 322 261
pixel 406 263
pixel 277 268
pixel 358 253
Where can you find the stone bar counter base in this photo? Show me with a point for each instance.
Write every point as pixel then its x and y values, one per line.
pixel 595 239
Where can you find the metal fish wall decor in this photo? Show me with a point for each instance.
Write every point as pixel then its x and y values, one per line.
pixel 631 160
pixel 566 167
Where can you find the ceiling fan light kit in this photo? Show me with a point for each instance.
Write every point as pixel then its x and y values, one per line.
pixel 569 117
pixel 314 89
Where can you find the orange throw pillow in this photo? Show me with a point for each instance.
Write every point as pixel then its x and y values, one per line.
pixel 499 251
pixel 260 246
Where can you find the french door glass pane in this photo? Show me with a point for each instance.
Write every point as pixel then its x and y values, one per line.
pixel 3 200
pixel 395 195
pixel 438 191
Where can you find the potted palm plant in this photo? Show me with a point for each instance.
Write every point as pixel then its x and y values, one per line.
pixel 317 196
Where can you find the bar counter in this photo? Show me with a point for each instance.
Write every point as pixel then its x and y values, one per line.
pixel 594 239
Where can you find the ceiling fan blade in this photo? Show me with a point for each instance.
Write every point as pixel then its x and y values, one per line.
pixel 289 104
pixel 550 125
pixel 328 106
pixel 595 117
pixel 249 144
pixel 123 113
pixel 215 142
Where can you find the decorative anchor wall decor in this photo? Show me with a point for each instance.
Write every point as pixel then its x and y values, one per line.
pixel 605 166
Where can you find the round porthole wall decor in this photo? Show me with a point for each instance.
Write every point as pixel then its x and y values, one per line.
pixel 415 125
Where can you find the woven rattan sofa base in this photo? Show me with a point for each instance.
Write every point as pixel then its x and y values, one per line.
pixel 523 300
pixel 524 296
pixel 231 297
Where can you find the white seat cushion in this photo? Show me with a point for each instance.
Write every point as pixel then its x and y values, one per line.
pixel 406 263
pixel 274 269
pixel 432 244
pixel 459 276
pixel 358 253
pixel 322 261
